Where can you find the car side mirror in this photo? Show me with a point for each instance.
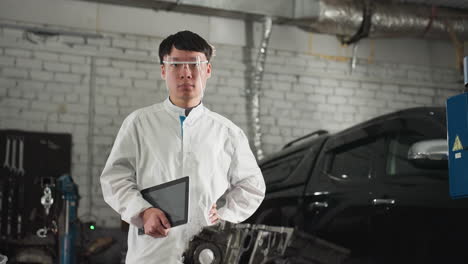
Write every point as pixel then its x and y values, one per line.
pixel 429 154
pixel 434 149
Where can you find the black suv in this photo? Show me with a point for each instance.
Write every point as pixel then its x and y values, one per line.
pixel 359 189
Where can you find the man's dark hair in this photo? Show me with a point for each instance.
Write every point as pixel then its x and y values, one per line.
pixel 184 40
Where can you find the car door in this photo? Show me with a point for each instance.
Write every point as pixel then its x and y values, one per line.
pixel 285 178
pixel 337 202
pixel 414 220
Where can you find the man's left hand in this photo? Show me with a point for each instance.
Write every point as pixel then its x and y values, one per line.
pixel 214 217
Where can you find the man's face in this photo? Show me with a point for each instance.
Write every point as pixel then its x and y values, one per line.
pixel 185 82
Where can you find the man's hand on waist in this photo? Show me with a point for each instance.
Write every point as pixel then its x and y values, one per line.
pixel 155 222
pixel 213 214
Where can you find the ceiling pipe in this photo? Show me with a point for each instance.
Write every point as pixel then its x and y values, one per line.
pixel 352 20
pixel 253 90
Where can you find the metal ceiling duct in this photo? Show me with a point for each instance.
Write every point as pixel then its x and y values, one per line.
pixel 380 19
pixel 348 18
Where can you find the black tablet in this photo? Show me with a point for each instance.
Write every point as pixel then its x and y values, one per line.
pixel 172 198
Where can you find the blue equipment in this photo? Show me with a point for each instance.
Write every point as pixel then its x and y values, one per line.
pixel 69 221
pixel 457 138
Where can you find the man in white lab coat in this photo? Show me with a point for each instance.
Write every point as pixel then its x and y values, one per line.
pixel 176 138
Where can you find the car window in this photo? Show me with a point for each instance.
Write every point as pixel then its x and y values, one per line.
pixel 280 170
pixel 354 161
pixel 398 163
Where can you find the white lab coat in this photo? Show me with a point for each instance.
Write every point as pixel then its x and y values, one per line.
pixel 153 148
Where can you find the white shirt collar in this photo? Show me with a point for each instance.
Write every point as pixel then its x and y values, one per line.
pixel 177 111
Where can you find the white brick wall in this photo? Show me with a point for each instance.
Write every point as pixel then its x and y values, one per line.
pixel 46 88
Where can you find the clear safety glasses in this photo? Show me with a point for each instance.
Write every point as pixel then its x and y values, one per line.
pixel 194 64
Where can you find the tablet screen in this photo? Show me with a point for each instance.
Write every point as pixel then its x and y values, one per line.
pixel 172 198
